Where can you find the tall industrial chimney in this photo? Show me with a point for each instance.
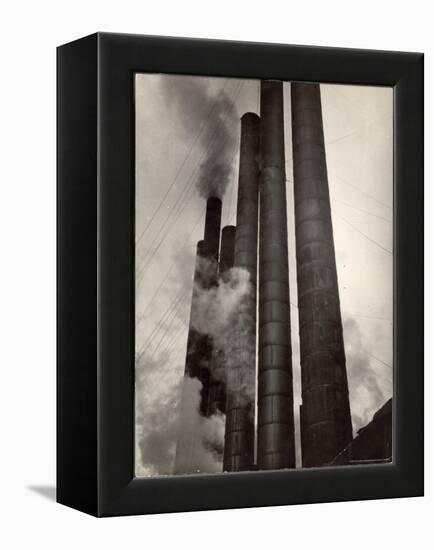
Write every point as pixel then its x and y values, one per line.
pixel 199 345
pixel 276 447
pixel 240 401
pixel 199 354
pixel 217 384
pixel 325 413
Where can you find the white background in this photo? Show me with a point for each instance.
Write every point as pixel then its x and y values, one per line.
pixel 30 31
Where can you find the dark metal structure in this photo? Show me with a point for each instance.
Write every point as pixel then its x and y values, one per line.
pixel 212 231
pixel 227 250
pixel 373 443
pixel 199 346
pixel 276 447
pixel 325 413
pixel 240 405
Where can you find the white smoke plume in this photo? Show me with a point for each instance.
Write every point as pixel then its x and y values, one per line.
pixel 167 404
pixel 223 313
pixel 215 307
pixel 194 101
pixel 157 391
pixel 199 436
pixel 163 418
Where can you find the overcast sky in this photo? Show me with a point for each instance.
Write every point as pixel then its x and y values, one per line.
pixel 176 129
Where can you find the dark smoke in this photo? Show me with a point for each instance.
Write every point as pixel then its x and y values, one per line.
pixel 215 117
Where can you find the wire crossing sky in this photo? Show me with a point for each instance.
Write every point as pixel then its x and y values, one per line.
pixel 182 123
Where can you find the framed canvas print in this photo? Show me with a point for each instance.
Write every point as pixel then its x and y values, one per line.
pixel 240 274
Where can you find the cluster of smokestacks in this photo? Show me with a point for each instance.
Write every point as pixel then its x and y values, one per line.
pixel 254 367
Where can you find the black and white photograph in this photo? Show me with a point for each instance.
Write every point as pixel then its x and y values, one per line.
pixel 264 293
pixel 217 254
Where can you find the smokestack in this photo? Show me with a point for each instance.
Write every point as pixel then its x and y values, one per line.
pixel 227 250
pixel 217 385
pixel 199 345
pixel 326 419
pixel 239 432
pixel 276 448
pixel 212 228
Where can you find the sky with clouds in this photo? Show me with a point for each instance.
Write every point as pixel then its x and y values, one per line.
pixel 184 122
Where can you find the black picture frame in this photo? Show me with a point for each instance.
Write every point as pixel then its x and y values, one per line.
pixel 95 363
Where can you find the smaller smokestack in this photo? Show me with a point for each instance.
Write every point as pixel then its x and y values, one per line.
pixel 212 227
pixel 240 402
pixel 199 345
pixel 227 249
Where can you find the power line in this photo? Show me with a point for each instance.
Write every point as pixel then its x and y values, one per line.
pixel 172 265
pixel 175 219
pixel 373 317
pixel 361 210
pixel 363 234
pixel 172 344
pixel 167 313
pixel 160 286
pixel 165 332
pixel 157 327
pixel 211 142
pixel 167 368
pixel 355 228
pixel 160 323
pixel 380 360
pixel 345 182
pixel 176 208
pixel 357 189
pixel 362 128
pixel 189 187
pixel 145 267
pixel 184 162
pixel 177 215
